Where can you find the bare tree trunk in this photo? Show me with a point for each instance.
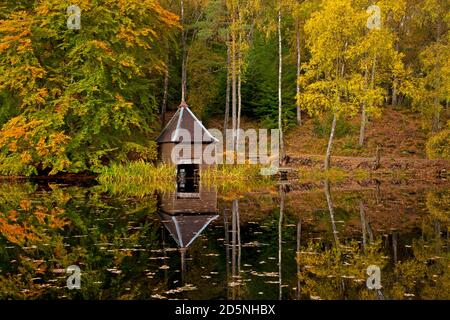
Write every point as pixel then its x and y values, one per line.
pixel 239 104
pixel 233 77
pixel 331 210
pixel 437 232
pixel 299 113
pixel 166 273
pixel 377 191
pixel 233 247
pixel 299 233
pixel 377 162
pixel 166 89
pixel 238 229
pixel 394 246
pixel 369 230
pixel 280 73
pixel 227 247
pixel 394 95
pixel 362 128
pixel 280 241
pixel 436 116
pixel 394 85
pixel 164 102
pixel 448 242
pixel 183 62
pixel 183 252
pixel 239 70
pixel 363 224
pixel 330 143
pixel 437 104
pixel 227 98
pixel 362 131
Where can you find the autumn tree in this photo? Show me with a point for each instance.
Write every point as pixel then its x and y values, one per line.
pixel 429 86
pixel 300 12
pixel 80 97
pixel 375 57
pixel 330 83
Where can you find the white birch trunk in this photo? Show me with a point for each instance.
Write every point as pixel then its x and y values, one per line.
pixel 183 62
pixel 331 210
pixel 280 241
pixel 280 74
pixel 330 143
pixel 166 89
pixel 239 83
pixel 299 60
pixel 227 98
pixel 362 128
pixel 233 79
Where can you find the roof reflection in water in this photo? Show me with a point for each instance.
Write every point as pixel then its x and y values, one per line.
pixel 186 214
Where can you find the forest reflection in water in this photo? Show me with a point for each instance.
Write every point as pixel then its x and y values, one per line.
pixel 270 243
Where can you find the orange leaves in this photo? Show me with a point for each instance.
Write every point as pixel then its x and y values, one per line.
pixel 35 72
pixel 4 46
pixel 40 216
pixel 148 32
pixel 16 31
pixel 21 67
pixel 52 144
pixel 101 45
pixel 30 140
pixel 26 157
pixel 121 103
pixel 119 97
pixel 43 92
pixel 17 128
pixel 142 35
pixel 25 204
pixel 24 45
pixel 29 228
pixel 12 130
pixel 12 146
pixel 127 63
pixel 164 15
pixel 62 82
pixel 133 37
pixel 17 22
pixel 57 222
pixel 36 98
pixel 18 38
pixel 13 214
pixel 43 10
pixel 15 232
pixel 57 139
pixel 41 148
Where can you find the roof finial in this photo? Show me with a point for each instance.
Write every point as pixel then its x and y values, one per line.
pixel 183 104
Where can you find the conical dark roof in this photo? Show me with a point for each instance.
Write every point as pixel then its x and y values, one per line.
pixel 185 228
pixel 184 119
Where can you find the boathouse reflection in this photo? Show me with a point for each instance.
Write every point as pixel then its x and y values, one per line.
pixel 187 212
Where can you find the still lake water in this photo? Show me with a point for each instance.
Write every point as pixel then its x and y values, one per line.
pixel 281 242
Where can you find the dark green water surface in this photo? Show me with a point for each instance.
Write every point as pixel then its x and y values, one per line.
pixel 280 243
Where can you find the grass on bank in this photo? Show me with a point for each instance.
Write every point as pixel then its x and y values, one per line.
pixel 311 174
pixel 333 174
pixel 234 180
pixel 140 178
pixel 137 178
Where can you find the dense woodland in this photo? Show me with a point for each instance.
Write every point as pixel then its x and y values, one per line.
pixel 76 100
